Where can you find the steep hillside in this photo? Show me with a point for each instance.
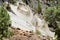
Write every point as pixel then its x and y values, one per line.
pixel 25 20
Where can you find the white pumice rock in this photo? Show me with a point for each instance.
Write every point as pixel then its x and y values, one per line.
pixel 25 20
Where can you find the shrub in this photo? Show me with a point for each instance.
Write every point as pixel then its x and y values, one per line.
pixel 38 32
pixel 38 9
pixel 28 2
pixel 49 14
pixel 12 1
pixel 4 23
pixel 52 15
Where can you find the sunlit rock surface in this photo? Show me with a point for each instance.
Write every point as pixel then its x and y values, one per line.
pixel 22 17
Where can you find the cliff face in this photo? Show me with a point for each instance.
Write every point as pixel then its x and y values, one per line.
pixel 22 17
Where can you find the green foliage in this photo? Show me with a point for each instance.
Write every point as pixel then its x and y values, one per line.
pixel 38 32
pixel 4 23
pixel 52 15
pixel 28 2
pixel 57 32
pixel 49 14
pixel 12 1
pixel 38 9
pixel 24 1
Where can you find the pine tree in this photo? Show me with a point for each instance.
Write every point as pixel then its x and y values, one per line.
pixel 52 15
pixel 4 23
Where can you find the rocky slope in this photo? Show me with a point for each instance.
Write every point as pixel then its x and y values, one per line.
pixel 24 35
pixel 22 17
pixel 19 34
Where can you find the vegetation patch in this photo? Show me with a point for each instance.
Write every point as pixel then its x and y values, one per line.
pixel 5 23
pixel 52 15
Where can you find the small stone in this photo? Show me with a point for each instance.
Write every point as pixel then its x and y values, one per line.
pixel 30 31
pixel 18 28
pixel 29 36
pixel 20 33
pixel 25 35
pixel 26 31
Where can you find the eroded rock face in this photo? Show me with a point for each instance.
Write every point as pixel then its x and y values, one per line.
pixel 23 18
